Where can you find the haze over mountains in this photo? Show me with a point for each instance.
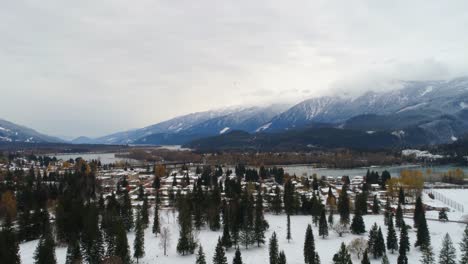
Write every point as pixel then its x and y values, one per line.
pixel 420 112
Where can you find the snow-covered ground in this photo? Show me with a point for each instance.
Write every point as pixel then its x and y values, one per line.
pixel 294 250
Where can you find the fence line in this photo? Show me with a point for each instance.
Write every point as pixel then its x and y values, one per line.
pixel 451 203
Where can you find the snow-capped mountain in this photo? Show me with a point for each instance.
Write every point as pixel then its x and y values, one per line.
pixel 180 129
pixel 437 108
pixel 436 97
pixel 10 132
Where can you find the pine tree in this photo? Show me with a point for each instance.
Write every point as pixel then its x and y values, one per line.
pixel 288 228
pixel 139 243
pixel 219 256
pixel 375 205
pixel 9 247
pixel 376 242
pixel 464 246
pixel 200 256
pixel 447 253
pixel 404 239
pixel 144 212
pixel 401 197
pixel 418 212
pixel 343 256
pixel 387 212
pixel 357 225
pixel 423 238
pixel 73 252
pixel 91 237
pixel 260 225
pixel 282 258
pixel 399 221
pixel 380 244
pixel 343 205
pixel 273 249
pixel 237 257
pixel 443 215
pixel 126 212
pixel 45 251
pixel 428 255
pixel 392 240
pixel 156 222
pixel 122 249
pixel 310 255
pixel 323 227
pixel 330 218
pixel 226 238
pixel 365 258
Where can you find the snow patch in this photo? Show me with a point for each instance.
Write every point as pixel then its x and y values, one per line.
pixel 224 130
pixel 428 90
pixel 370 132
pixel 420 154
pixel 454 138
pixel 411 107
pixel 463 105
pixel 264 127
pixel 7 139
pixel 399 133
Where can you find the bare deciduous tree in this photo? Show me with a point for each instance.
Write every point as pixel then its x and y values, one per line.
pixel 357 246
pixel 340 228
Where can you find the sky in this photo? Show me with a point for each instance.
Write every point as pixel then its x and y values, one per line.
pixel 94 67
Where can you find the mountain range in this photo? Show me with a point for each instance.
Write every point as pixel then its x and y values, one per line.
pixel 10 132
pixel 417 113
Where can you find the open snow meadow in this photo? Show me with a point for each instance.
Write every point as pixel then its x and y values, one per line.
pixel 294 249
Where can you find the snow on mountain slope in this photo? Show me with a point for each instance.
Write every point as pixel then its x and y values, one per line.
pixel 437 97
pixel 10 132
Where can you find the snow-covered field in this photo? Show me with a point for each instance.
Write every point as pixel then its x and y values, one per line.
pixel 294 250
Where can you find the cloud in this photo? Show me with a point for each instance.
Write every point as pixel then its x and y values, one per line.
pixel 94 67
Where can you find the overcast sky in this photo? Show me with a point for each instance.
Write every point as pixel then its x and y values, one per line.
pixel 92 67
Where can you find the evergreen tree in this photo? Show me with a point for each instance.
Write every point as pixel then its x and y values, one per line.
pixel 237 257
pixel 91 237
pixel 139 243
pixel 343 205
pixel 9 247
pixel 219 256
pixel 418 212
pixel 330 218
pixel 260 225
pixel 310 255
pixel 365 258
pixel 226 238
pixel 404 244
pixel 323 227
pixel 375 205
pixel 401 197
pixel 342 257
pixel 447 253
pixel 443 215
pixel 200 256
pixel 144 212
pixel 45 251
pixel 357 225
pixel 282 258
pixel 464 246
pixel 423 238
pixel 399 221
pixel 288 197
pixel 126 211
pixel 288 228
pixel 376 242
pixel 273 249
pixel 156 222
pixel 122 249
pixel 388 212
pixel 428 256
pixel 392 240
pixel 73 252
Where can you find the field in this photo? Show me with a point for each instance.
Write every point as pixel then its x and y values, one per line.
pixel 326 247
